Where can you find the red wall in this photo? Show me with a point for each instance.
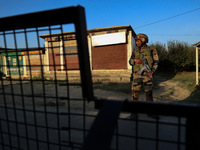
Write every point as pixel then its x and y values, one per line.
pixel 109 57
pixel 54 61
pixel 72 62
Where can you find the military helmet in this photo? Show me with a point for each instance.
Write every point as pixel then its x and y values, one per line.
pixel 142 37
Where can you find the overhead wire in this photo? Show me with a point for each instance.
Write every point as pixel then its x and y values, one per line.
pixel 167 18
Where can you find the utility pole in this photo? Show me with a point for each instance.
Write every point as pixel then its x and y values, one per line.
pixel 197 65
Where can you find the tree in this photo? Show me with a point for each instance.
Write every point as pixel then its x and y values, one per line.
pixel 176 56
pixel 164 63
pixel 181 54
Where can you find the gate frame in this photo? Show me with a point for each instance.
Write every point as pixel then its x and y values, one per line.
pixel 74 14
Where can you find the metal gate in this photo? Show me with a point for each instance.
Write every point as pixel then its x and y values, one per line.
pixel 36 113
pixel 40 113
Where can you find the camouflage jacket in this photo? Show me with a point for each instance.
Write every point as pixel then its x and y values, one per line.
pixel 149 53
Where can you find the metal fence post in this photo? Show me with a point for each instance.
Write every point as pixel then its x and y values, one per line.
pixel 193 133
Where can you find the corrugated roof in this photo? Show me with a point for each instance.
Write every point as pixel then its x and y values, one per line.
pixel 95 30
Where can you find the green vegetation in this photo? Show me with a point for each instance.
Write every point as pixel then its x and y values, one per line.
pixel 117 87
pixel 38 78
pixel 176 56
pixel 187 80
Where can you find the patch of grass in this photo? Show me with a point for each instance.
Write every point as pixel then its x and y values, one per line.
pixel 165 75
pixel 191 86
pixel 185 76
pixel 37 78
pixel 188 81
pixel 117 87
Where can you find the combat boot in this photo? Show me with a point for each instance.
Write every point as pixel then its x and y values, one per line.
pixel 134 97
pixel 149 98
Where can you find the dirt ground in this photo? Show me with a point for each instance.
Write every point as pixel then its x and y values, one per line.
pixel 170 91
pixel 18 94
pixel 164 91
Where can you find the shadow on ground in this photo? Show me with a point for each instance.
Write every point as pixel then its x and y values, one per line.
pixel 194 96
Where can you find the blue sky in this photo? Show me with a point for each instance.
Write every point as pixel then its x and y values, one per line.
pixel 137 13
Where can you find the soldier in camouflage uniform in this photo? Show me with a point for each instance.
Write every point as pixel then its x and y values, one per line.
pixel 142 50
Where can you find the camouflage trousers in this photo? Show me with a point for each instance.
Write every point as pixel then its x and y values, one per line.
pixel 139 82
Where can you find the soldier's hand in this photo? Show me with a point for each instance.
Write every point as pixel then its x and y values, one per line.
pixel 150 74
pixel 131 62
pixel 138 61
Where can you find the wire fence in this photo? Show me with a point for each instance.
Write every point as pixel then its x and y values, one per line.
pixel 157 126
pixel 38 113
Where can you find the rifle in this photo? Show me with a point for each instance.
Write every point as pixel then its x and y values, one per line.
pixel 131 78
pixel 146 66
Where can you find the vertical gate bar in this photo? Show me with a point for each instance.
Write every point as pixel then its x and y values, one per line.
pixel 179 133
pixel 1 137
pixel 21 88
pixel 17 127
pixel 6 115
pixel 193 132
pixel 57 110
pixel 5 106
pixel 32 88
pixel 84 119
pixel 55 80
pixel 136 131
pixel 157 134
pixel 56 86
pixel 13 99
pixel 42 75
pixel 84 64
pixel 67 89
pixel 7 118
pixel 117 135
pixel 81 35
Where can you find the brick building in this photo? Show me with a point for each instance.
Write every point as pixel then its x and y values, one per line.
pixel 109 48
